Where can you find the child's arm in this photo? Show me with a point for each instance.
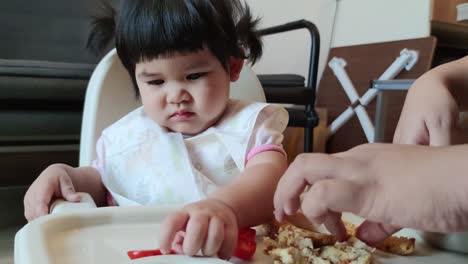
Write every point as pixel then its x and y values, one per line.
pixel 212 224
pixel 62 181
pixel 251 194
pixel 389 185
pixel 430 113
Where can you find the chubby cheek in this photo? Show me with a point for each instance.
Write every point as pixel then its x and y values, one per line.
pixel 215 100
pixel 218 91
pixel 153 105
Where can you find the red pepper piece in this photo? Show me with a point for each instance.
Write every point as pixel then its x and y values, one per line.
pixel 246 244
pixel 247 233
pixel 136 254
pixel 245 249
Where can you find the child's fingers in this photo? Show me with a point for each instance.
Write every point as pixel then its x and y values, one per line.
pixel 178 242
pixel 195 234
pixel 372 233
pixel 43 197
pixel 28 207
pixel 171 225
pixel 67 189
pixel 230 240
pixel 35 211
pixel 214 238
pixel 41 210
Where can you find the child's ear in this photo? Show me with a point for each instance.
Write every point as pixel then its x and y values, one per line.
pixel 235 67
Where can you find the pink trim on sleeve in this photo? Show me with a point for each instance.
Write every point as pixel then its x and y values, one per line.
pixel 263 148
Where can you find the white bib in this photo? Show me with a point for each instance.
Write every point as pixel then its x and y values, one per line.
pixel 143 164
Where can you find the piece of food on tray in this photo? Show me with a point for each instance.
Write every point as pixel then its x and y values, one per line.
pixel 396 245
pixel 297 243
pixel 288 244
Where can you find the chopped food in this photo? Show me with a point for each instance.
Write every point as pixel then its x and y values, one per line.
pixel 396 245
pixel 287 244
pixel 292 244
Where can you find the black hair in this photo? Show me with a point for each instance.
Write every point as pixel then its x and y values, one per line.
pixel 147 29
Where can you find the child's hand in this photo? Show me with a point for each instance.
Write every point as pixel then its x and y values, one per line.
pixel 208 225
pixel 53 182
pixel 389 185
pixel 429 116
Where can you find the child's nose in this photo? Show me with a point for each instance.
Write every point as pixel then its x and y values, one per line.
pixel 178 95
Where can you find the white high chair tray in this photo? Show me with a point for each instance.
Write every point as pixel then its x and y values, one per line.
pixel 104 235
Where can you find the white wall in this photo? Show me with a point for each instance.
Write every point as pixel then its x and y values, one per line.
pixel 290 52
pixel 357 22
pixel 371 21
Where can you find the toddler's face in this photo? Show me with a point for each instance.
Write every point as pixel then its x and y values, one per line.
pixel 185 93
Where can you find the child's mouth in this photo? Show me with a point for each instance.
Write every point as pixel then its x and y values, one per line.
pixel 182 115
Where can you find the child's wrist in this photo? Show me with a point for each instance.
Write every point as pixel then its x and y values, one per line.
pixel 227 205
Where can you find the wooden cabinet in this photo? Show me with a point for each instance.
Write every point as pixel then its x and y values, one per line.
pixel 452 36
pixel 446 10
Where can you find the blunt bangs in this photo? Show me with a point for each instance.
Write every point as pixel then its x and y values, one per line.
pixel 144 32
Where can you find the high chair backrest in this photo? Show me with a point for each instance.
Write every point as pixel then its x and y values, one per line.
pixel 110 95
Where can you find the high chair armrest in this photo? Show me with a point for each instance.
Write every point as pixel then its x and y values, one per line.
pixel 60 206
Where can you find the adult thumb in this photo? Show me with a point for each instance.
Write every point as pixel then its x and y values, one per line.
pixel 439 137
pixel 372 233
pixel 68 190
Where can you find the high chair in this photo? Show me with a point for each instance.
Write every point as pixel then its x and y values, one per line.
pixel 82 233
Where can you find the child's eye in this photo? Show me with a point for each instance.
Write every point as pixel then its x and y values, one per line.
pixel 195 76
pixel 156 82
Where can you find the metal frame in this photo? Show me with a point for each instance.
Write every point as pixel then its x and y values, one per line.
pixel 310 115
pixel 383 86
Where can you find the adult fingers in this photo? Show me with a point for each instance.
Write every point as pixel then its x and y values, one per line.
pixel 335 195
pixel 305 170
pixel 371 232
pixel 214 238
pixel 440 133
pixel 412 134
pixel 326 199
pixel 335 225
pixel 195 234
pixel 170 226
